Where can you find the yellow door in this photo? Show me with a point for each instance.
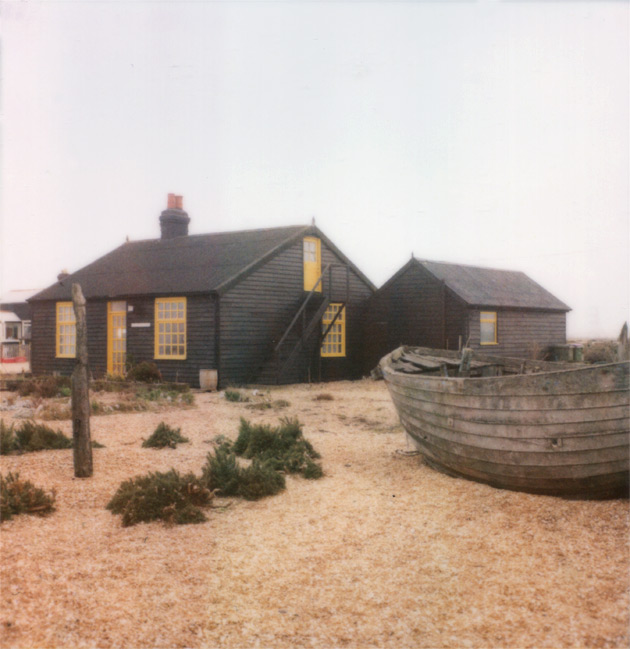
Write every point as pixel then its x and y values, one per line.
pixel 312 263
pixel 116 337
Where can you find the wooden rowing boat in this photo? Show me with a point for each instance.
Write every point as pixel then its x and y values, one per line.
pixel 548 428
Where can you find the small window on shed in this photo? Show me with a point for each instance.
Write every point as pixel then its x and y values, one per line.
pixel 488 328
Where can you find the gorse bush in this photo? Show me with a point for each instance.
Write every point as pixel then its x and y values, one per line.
pixel 178 499
pixel 7 438
pixel 171 497
pixel 30 436
pixel 144 372
pixel 22 497
pixel 164 436
pixel 223 474
pixel 222 471
pixel 260 479
pixel 236 396
pixel 312 470
pixel 284 447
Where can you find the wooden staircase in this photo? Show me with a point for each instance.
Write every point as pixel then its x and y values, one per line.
pixel 302 338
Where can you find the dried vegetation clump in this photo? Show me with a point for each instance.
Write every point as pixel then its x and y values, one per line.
pixel 30 436
pixel 600 351
pixel 168 496
pixel 165 436
pixel 273 452
pixel 283 447
pixel 23 497
pixel 144 372
pixel 222 473
pixel 235 396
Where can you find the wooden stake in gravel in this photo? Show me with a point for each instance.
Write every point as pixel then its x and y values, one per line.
pixel 80 392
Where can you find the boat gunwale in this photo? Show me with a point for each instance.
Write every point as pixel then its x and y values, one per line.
pixel 386 363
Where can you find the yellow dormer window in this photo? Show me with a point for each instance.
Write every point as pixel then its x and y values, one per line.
pixel 312 263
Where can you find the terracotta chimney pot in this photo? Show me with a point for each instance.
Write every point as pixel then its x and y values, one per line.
pixel 171 202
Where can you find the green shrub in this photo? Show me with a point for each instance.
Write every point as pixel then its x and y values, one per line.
pixel 312 470
pixel 169 496
pixel 160 393
pixel 283 447
pixel 145 372
pixel 30 436
pixel 187 397
pixel 164 436
pixel 260 479
pixel 222 472
pixel 236 396
pixel 7 438
pixel 23 497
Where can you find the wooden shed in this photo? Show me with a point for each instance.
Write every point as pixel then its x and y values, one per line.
pixel 447 306
pixel 278 305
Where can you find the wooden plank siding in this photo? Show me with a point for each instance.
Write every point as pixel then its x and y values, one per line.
pixel 350 366
pixel 200 310
pixel 256 312
pixel 43 330
pixel 416 308
pixel 411 310
pixel 140 340
pixel 456 321
pixel 520 333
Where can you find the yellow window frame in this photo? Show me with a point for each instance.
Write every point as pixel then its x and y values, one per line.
pixel 334 344
pixel 170 328
pixel 65 331
pixel 312 257
pixel 488 317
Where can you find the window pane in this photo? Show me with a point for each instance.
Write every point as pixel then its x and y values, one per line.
pixel 487 332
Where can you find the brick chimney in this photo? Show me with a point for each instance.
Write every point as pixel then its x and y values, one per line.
pixel 173 220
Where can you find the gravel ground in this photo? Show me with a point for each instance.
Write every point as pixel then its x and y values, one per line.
pixel 381 552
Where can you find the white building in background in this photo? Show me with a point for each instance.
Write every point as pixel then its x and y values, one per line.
pixel 15 329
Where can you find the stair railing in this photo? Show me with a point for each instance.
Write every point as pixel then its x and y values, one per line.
pixel 302 309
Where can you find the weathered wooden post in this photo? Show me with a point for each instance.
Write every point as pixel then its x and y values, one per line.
pixel 464 365
pixel 623 348
pixel 80 392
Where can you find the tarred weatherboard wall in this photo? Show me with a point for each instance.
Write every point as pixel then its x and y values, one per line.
pixel 520 333
pixel 234 333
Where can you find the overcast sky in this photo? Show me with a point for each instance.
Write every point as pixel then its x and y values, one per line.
pixel 491 132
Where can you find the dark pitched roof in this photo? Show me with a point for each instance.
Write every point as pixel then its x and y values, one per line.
pixel 187 264
pixel 490 287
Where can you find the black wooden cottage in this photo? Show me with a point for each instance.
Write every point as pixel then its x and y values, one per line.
pixel 447 306
pixel 279 305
